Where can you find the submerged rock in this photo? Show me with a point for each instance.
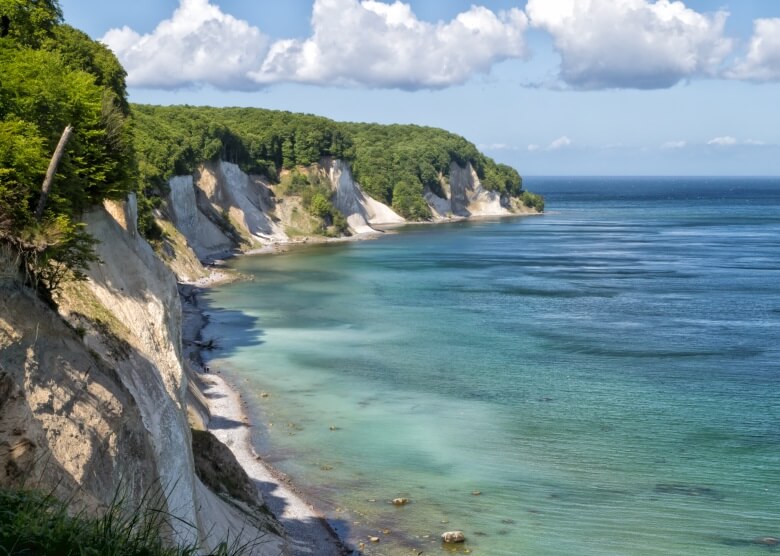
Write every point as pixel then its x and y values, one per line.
pixel 453 537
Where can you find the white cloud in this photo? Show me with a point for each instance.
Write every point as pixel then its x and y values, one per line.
pixel 559 143
pixel 198 44
pixel 755 143
pixel 533 147
pixel 724 141
pixel 674 145
pixel 371 43
pixel 385 45
pixel 762 62
pixel 631 43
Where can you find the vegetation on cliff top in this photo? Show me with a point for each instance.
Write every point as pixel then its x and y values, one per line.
pixel 55 77
pixel 393 163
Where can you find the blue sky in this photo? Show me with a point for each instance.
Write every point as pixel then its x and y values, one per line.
pixel 552 87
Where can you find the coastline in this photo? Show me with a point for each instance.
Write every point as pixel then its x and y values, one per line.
pixel 306 529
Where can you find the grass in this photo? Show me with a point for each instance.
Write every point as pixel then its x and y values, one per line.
pixel 36 524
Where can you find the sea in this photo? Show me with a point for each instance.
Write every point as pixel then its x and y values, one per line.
pixel 603 379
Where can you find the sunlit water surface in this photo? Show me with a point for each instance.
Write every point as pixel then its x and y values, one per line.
pixel 605 376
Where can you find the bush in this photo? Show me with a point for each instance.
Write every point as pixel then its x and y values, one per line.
pixel 532 200
pixel 408 201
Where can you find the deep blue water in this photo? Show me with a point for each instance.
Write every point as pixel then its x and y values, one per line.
pixel 605 375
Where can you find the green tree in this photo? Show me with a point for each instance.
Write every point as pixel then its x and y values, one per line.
pixel 55 77
pixel 408 201
pixel 30 22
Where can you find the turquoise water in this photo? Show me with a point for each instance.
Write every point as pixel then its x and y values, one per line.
pixel 605 376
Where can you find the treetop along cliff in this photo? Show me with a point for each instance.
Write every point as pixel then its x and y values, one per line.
pixel 392 163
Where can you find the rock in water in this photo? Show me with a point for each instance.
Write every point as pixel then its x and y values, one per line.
pixel 453 536
pixel 400 501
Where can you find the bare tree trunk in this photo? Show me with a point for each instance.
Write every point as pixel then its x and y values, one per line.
pixel 55 161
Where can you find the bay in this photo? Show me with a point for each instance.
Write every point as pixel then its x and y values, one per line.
pixel 605 376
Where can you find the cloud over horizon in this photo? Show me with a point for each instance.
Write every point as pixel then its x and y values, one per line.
pixel 385 45
pixel 603 44
pixel 633 44
pixel 198 44
pixel 369 43
pixel 762 62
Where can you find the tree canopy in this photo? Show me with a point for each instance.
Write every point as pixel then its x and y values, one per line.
pixel 54 76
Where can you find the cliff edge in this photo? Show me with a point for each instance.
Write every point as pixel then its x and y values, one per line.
pixel 93 398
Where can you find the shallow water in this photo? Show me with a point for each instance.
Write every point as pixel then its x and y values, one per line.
pixel 606 375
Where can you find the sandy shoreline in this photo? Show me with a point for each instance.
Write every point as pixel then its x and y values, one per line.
pixel 307 529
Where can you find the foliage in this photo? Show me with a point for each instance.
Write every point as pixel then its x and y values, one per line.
pixel 409 202
pixel 532 200
pixel 53 76
pixel 30 21
pixel 317 198
pixel 175 139
pixel 32 523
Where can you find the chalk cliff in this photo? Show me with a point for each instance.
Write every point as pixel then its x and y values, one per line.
pixel 362 211
pixel 221 209
pixel 93 399
pixel 465 196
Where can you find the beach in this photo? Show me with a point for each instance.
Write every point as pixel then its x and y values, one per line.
pixel 305 527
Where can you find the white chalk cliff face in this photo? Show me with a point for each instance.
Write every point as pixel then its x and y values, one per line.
pixel 93 406
pixel 141 293
pixel 245 199
pixel 222 209
pixel 362 212
pixel 465 196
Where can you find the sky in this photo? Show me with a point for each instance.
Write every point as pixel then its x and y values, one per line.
pixel 551 87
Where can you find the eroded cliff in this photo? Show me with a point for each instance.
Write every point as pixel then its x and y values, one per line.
pixel 93 398
pixel 220 209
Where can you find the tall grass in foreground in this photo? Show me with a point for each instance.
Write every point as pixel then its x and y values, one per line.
pixel 36 524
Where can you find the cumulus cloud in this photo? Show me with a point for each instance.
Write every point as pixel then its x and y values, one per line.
pixel 724 141
pixel 198 44
pixel 559 143
pixel 631 43
pixel 762 62
pixel 353 42
pixel 674 145
pixel 386 45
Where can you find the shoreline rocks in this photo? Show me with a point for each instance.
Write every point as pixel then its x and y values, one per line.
pixel 452 537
